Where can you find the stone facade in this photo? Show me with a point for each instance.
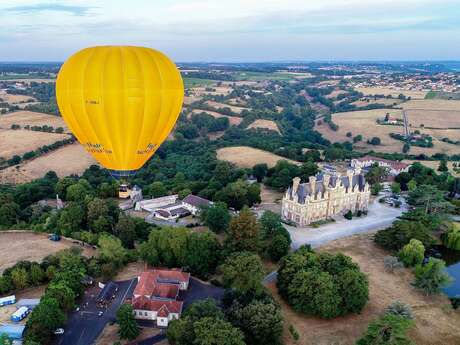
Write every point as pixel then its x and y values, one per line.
pixel 324 197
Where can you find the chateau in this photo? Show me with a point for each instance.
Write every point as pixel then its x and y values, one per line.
pixel 325 196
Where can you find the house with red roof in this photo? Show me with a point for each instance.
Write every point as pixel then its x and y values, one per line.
pixel 156 293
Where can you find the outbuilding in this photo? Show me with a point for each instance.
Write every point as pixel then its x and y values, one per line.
pixel 13 332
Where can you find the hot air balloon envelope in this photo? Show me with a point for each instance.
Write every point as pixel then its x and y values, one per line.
pixel 120 102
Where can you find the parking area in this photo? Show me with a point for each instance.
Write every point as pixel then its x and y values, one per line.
pixel 86 323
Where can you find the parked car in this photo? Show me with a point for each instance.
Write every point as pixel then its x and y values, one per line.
pixel 59 331
pixel 100 313
pixel 54 237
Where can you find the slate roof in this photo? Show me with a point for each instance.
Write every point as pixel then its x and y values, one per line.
pixel 196 201
pixel 304 189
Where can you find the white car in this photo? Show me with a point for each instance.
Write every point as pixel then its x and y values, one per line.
pixel 100 313
pixel 59 331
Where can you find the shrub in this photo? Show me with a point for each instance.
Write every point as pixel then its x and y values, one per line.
pixel 389 329
pixel 431 278
pixel 400 234
pixel 348 215
pixel 392 263
pixel 399 309
pixel 412 253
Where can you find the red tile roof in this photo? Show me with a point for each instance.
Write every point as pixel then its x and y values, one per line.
pixel 160 283
pixel 146 284
pixel 165 307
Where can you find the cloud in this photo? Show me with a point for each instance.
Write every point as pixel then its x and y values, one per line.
pixel 30 9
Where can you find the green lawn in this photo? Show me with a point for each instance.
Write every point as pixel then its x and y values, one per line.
pixel 196 82
pixel 259 76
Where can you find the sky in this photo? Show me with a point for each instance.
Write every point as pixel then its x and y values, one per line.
pixel 235 30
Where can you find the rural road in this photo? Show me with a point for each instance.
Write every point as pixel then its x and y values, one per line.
pixel 379 217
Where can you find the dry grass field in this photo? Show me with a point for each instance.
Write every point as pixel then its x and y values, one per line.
pixel 247 157
pixel 233 108
pixel 67 160
pixel 393 92
pixel 217 90
pixel 190 99
pixel 18 142
pixel 368 101
pixel 109 335
pixel 436 323
pixel 365 123
pixel 433 113
pixel 25 245
pixel 434 165
pixel 15 99
pixel 30 118
pixel 234 120
pixel 265 124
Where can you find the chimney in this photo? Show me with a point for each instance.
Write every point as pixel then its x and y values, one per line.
pixel 295 184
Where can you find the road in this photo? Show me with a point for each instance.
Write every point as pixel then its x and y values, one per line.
pixel 379 217
pixel 83 327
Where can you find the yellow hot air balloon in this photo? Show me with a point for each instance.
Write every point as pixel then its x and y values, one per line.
pixel 120 102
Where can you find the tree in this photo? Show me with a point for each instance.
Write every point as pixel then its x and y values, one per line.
pixel 216 217
pixel 128 328
pixel 20 278
pixel 431 277
pixel 111 249
pixel 396 188
pixel 430 198
pixel 322 284
pixel 44 319
pixel 376 188
pixel 387 330
pixel 401 232
pixel 243 232
pixel 157 189
pixel 4 340
pixel 97 209
pixel 60 291
pixel 203 253
pixel 278 247
pixel 9 213
pixel 126 230
pixel 259 171
pixel 443 166
pixel 71 218
pixel 78 191
pixel 243 271
pixel 308 169
pixel 210 331
pixel 36 274
pixel 376 174
pixel 451 238
pixel 412 253
pixel 261 323
pixel 374 141
pixel 411 185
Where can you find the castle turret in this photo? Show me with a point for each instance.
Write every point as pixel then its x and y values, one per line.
pixel 350 179
pixel 295 184
pixel 312 181
pixel 326 179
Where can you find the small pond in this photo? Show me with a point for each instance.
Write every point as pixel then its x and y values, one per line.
pixel 452 259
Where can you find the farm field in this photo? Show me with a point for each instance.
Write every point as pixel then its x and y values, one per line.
pixel 27 245
pixel 370 100
pixel 30 118
pixel 365 123
pixel 67 160
pixel 217 90
pixel 194 82
pixel 234 120
pixel 435 321
pixel 233 108
pixel 393 92
pixel 433 113
pixel 265 124
pixel 15 99
pixel 247 157
pixel 20 141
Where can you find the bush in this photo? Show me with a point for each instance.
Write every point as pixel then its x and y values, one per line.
pixel 431 278
pixel 400 309
pixel 387 330
pixel 412 253
pixel 348 215
pixel 392 263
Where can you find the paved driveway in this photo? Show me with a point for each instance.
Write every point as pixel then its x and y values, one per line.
pixel 379 216
pixel 83 327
